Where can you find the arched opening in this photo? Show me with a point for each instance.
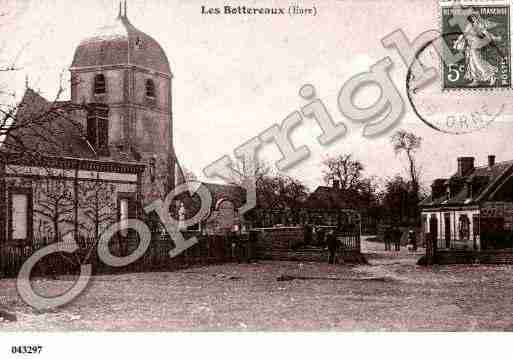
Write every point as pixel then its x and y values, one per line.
pixel 464 228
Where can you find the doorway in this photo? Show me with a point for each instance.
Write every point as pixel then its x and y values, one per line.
pixel 447 230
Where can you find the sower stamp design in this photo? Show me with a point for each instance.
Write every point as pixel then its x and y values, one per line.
pixel 478 51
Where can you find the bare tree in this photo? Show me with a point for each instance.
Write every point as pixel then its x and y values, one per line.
pixel 345 169
pixel 249 169
pixel 54 197
pixel 98 207
pixel 288 191
pixel 408 144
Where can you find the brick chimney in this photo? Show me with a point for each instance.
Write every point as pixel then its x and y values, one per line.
pixel 465 166
pixel 438 188
pixel 491 160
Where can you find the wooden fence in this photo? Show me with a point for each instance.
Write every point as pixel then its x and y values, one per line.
pixel 210 249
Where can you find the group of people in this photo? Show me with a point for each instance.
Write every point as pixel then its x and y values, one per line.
pixel 393 236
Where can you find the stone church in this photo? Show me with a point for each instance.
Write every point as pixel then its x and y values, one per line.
pixel 123 76
pixel 72 168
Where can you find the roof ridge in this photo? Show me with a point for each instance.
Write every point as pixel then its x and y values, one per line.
pixel 495 164
pixel 30 92
pixel 494 182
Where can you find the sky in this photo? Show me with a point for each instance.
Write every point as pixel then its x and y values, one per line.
pixel 236 75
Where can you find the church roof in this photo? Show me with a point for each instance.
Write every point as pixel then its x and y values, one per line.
pixel 51 129
pixel 46 128
pixel 121 43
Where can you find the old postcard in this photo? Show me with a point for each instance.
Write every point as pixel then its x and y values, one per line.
pixel 253 166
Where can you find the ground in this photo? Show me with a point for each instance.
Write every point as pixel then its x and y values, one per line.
pixel 392 293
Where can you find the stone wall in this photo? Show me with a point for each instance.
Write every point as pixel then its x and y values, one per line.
pixel 273 242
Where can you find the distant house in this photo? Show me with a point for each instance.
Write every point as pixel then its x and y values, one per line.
pixel 473 208
pixel 327 200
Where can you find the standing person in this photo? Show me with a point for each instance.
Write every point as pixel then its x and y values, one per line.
pixel 412 240
pixel 397 238
pixel 387 239
pixel 332 242
pixel 308 233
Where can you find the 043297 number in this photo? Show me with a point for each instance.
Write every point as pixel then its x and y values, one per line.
pixel 26 349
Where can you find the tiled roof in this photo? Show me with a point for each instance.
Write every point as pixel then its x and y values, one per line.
pixel 46 128
pixel 121 44
pixel 325 197
pixel 484 180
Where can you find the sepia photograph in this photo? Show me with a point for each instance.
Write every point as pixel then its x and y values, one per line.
pixel 316 168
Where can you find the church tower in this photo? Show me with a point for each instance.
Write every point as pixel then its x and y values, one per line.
pixel 122 77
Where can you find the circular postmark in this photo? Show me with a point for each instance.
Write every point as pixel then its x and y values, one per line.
pixel 454 110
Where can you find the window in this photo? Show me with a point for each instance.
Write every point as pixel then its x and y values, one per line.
pixel 99 84
pixel 425 223
pixel 19 216
pixel 20 208
pixel 150 88
pixel 126 209
pixel 464 228
pixel 126 206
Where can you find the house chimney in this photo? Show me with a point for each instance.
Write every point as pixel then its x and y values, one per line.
pixel 336 184
pixel 491 160
pixel 438 188
pixel 465 166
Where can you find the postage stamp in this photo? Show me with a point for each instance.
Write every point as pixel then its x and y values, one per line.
pixel 478 51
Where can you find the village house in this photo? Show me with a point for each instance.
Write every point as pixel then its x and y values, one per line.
pixel 473 208
pixel 332 204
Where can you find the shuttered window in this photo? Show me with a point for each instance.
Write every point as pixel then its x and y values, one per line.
pixel 99 84
pixel 19 216
pixel 20 213
pixel 150 88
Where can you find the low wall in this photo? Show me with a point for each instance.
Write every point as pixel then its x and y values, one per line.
pixel 285 243
pixel 210 249
pixel 503 256
pixel 271 243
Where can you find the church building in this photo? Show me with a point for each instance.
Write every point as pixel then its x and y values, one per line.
pixel 72 168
